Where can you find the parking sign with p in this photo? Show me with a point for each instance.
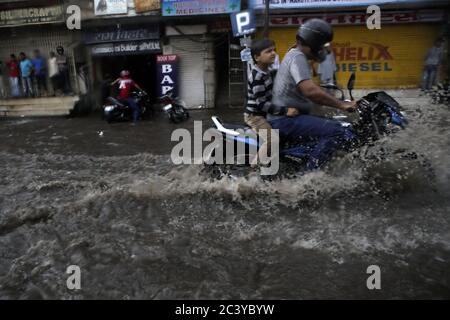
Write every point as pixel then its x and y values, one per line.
pixel 243 23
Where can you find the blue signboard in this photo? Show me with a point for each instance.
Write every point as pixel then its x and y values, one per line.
pixel 197 7
pixel 167 74
pixel 243 23
pixel 305 4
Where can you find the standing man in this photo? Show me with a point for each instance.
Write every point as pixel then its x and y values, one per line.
pixel 14 73
pixel 432 63
pixel 40 73
pixel 294 87
pixel 63 69
pixel 53 72
pixel 26 69
pixel 2 85
pixel 327 68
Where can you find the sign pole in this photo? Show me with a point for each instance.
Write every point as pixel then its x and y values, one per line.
pixel 266 19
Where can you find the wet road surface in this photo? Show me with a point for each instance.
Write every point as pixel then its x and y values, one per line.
pixel 108 199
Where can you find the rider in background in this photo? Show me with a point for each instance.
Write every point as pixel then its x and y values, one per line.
pixel 126 84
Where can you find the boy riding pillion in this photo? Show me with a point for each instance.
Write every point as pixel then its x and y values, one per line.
pixel 259 96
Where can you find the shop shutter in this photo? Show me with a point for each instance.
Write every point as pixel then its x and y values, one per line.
pixel 191 78
pixel 358 49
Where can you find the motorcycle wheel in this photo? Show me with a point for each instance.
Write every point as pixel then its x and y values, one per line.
pixel 109 117
pixel 175 118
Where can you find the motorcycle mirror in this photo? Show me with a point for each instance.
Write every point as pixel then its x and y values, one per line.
pixel 351 82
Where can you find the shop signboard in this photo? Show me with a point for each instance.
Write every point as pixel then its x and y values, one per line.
pixel 126 48
pixel 167 74
pixel 146 5
pixel 108 7
pixel 199 7
pixel 24 16
pixel 119 35
pixel 315 4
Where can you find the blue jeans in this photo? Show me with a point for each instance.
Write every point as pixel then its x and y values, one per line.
pixel 14 85
pixel 429 76
pixel 27 84
pixel 134 108
pixel 328 135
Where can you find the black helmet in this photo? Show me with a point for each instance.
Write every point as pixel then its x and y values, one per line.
pixel 60 49
pixel 315 33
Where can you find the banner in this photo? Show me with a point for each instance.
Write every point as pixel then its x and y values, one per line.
pixel 16 17
pixel 308 4
pixel 167 74
pixel 146 5
pixel 198 7
pixel 104 7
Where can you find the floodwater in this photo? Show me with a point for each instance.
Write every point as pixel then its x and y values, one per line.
pixel 108 199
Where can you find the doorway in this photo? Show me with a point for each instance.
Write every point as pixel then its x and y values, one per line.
pixel 142 69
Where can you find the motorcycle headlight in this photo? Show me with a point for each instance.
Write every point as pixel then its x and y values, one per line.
pixel 168 107
pixel 109 108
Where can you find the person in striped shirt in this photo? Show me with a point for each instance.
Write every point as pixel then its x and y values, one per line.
pixel 259 96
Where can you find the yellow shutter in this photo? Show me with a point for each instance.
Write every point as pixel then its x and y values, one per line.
pixel 391 57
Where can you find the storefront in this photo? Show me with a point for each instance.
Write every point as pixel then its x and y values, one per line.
pixel 132 48
pixel 391 57
pixel 194 48
pixel 197 46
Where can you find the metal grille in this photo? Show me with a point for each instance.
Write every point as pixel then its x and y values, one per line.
pixel 191 70
pixel 237 89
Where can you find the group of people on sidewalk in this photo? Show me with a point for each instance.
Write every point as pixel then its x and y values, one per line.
pixel 28 77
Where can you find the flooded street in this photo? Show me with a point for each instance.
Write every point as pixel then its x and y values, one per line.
pixel 108 199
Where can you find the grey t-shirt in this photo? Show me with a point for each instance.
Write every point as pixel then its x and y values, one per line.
pixel 293 69
pixel 434 56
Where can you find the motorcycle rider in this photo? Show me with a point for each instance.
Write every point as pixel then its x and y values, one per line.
pixel 294 87
pixel 126 84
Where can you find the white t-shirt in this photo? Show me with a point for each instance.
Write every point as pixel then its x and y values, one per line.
pixel 52 67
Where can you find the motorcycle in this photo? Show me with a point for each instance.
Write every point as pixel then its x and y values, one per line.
pixel 378 115
pixel 116 110
pixel 174 107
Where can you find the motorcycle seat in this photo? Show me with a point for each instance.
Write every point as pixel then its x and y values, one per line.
pixel 234 126
pixel 116 101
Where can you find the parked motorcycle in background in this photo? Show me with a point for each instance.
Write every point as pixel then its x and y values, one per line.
pixel 116 110
pixel 174 107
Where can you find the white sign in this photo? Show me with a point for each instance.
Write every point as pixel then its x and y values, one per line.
pixel 104 7
pixel 246 55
